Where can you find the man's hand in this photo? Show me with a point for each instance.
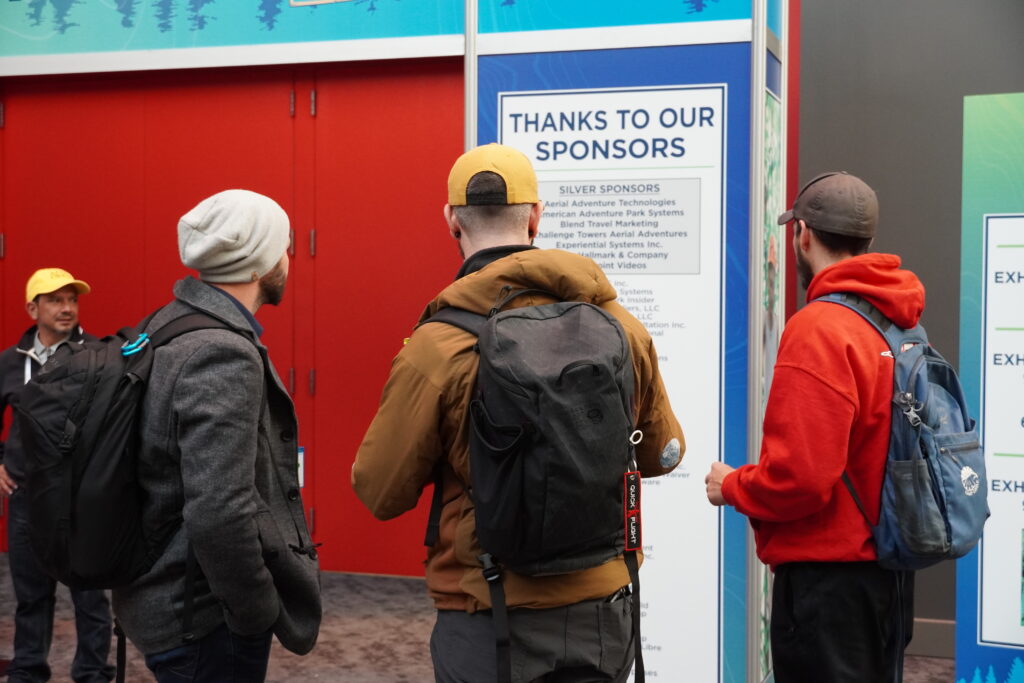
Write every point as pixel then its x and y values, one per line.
pixel 7 484
pixel 713 482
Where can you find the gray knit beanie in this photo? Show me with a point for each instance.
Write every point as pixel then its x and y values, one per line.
pixel 233 236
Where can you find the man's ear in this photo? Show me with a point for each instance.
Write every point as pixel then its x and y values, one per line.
pixel 33 310
pixel 453 222
pixel 533 227
pixel 804 237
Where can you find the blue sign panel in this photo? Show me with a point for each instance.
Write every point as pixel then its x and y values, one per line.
pixel 642 158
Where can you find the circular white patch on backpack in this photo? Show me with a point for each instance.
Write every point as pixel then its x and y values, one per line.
pixel 670 454
pixel 970 479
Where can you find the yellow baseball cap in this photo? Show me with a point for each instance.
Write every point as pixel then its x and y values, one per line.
pixel 509 163
pixel 46 280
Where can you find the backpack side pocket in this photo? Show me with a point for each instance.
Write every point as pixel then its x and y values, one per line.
pixel 921 523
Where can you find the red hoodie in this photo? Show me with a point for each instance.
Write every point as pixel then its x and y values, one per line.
pixel 828 411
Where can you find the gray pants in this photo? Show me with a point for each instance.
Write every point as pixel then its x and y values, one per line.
pixel 588 642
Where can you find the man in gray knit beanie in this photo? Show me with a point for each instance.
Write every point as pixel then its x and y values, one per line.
pixel 237 237
pixel 219 460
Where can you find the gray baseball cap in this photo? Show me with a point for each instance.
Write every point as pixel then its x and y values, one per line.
pixel 836 202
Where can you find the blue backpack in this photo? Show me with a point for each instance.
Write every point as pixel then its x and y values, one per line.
pixel 934 492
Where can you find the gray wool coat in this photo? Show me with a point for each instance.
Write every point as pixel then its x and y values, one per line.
pixel 219 466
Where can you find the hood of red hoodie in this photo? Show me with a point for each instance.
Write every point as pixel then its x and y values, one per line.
pixel 878 278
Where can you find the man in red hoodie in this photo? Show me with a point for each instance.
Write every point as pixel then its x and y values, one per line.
pixel 837 616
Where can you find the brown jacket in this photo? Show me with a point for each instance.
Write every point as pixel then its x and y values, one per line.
pixel 422 421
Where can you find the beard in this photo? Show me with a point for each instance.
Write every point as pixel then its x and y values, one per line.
pixel 272 286
pixel 803 270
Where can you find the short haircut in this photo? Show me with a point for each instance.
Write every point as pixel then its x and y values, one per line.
pixel 835 243
pixel 490 216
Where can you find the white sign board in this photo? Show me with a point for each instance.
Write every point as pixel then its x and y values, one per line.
pixel 1002 550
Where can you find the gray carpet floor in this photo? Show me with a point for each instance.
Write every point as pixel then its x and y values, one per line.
pixel 376 630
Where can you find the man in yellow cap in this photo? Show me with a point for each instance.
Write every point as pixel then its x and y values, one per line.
pixel 51 300
pixel 572 625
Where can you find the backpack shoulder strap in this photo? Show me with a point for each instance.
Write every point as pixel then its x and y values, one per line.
pixel 473 323
pixel 470 322
pixel 867 309
pixel 888 329
pixel 893 333
pixel 856 498
pixel 459 317
pixel 189 322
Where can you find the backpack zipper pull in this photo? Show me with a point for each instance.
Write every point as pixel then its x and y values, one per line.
pixel 67 439
pixel 906 402
pixel 499 300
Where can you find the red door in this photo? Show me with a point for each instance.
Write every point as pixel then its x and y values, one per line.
pixel 386 136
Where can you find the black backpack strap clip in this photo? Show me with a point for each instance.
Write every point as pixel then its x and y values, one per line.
pixel 491 569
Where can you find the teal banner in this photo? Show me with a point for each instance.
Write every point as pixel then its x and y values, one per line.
pixel 498 16
pixel 53 27
pixel 775 17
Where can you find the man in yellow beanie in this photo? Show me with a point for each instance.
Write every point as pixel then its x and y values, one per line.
pixel 51 300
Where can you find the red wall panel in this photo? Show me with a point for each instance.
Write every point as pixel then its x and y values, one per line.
pixel 73 190
pixel 386 136
pixel 208 132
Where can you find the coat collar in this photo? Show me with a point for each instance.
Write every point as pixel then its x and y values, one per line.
pixel 205 298
pixel 28 340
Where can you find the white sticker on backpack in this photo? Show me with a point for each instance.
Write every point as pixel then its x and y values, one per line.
pixel 670 454
pixel 970 479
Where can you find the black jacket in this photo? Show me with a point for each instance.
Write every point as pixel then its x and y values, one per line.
pixel 13 362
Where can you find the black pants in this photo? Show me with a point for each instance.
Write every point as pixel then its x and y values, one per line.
pixel 218 657
pixel 35 592
pixel 840 622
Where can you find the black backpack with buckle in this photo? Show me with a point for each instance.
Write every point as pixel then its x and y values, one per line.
pixel 552 468
pixel 78 419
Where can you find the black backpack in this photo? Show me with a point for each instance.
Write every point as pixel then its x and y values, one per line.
pixel 551 446
pixel 79 426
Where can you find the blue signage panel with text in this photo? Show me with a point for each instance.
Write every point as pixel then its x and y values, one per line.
pixel 642 157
